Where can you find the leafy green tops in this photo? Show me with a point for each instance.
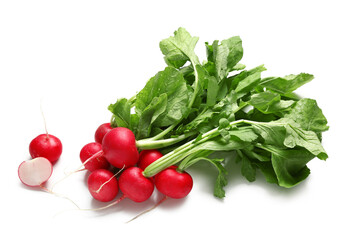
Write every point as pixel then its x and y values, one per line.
pixel 192 111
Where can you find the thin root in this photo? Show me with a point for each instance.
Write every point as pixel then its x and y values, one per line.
pixel 99 189
pixel 58 195
pixel 150 209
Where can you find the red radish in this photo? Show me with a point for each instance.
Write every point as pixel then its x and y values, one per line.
pixel 35 172
pixel 103 185
pixel 119 147
pixel 173 183
pixel 134 185
pixel 94 163
pixel 47 146
pixel 146 157
pixel 101 131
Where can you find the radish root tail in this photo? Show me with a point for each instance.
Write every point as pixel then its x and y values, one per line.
pixel 148 210
pixel 58 195
pixel 42 112
pixel 99 189
pixel 79 169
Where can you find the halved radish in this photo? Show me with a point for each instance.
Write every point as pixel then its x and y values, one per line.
pixel 35 172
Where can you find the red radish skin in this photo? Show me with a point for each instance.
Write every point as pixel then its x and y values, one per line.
pixel 94 163
pixel 146 157
pixel 173 183
pixel 119 148
pixel 47 146
pixel 134 185
pixel 101 131
pixel 35 172
pixel 103 185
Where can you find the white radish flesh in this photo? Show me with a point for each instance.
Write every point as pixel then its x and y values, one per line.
pixel 35 172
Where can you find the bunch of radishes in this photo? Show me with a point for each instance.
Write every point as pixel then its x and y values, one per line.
pixel 114 148
pixel 117 147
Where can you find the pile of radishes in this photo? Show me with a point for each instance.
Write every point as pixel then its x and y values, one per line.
pixel 115 164
pixel 117 147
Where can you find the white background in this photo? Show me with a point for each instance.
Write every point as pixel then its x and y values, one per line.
pixel 74 58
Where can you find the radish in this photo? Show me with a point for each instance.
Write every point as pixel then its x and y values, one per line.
pixel 47 146
pixel 35 172
pixel 103 185
pixel 101 131
pixel 173 183
pixel 134 185
pixel 119 147
pixel 146 157
pixel 94 163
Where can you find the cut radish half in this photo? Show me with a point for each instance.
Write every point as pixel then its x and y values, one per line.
pixel 35 172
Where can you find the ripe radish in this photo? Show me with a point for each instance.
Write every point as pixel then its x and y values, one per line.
pixel 119 147
pixel 103 185
pixel 146 157
pixel 35 172
pixel 94 163
pixel 173 183
pixel 47 146
pixel 101 131
pixel 134 185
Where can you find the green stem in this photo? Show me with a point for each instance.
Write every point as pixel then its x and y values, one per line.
pixel 149 143
pixel 177 155
pixel 193 158
pixel 163 133
pixel 183 151
pixel 196 85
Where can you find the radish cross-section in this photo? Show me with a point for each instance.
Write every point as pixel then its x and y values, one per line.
pixel 35 172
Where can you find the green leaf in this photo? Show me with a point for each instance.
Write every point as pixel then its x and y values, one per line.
pixel 287 84
pixel 226 55
pixel 289 165
pixel 121 111
pixel 212 91
pixel 210 117
pixel 234 81
pixel 284 134
pixel 268 171
pixel 269 102
pixel 169 82
pixel 134 123
pixel 308 116
pixel 179 49
pixel 244 82
pixel 248 170
pixel 221 180
pixel 306 139
pixel 271 132
pixel 150 114
pixel 244 134
pixel 209 83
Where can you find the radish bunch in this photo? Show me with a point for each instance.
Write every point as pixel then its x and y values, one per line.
pixel 118 148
